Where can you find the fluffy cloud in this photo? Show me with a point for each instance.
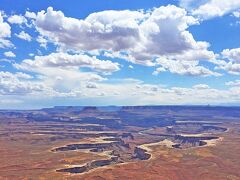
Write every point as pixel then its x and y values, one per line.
pixel 137 36
pixel 23 35
pixel 4 33
pixel 136 92
pixel 42 41
pixel 231 68
pixel 67 82
pixel 17 19
pixel 104 30
pixel 161 32
pixel 18 83
pixel 183 68
pixel 231 54
pixel 164 32
pixel 127 91
pixel 64 60
pixel 201 86
pixel 231 62
pixel 30 15
pixel 233 83
pixel 120 30
pixel 159 37
pixel 25 86
pixel 91 85
pixel 236 14
pixel 9 54
pixel 130 67
pixel 63 72
pixel 213 8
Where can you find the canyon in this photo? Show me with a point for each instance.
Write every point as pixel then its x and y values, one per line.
pixel 88 142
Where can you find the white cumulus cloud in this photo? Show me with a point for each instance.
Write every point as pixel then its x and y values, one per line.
pixel 17 19
pixel 213 8
pixel 137 36
pixel 5 32
pixel 183 68
pixel 23 35
pixel 17 84
pixel 233 83
pixel 9 54
pixel 231 62
pixel 64 60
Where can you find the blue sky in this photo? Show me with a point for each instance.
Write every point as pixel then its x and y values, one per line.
pixel 109 52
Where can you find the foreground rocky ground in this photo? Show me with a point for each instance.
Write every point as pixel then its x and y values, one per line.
pixel 151 142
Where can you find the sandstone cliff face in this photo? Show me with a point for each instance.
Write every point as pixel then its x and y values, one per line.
pixel 141 154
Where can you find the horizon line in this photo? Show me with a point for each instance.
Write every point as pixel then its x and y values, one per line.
pixel 52 107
